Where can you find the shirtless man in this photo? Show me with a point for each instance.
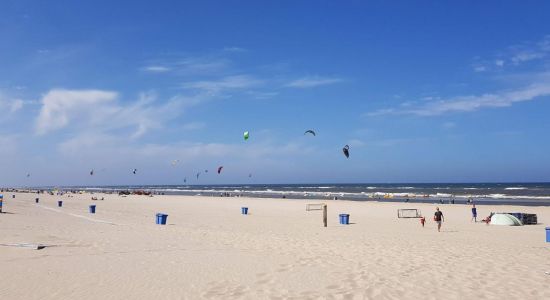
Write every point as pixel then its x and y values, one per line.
pixel 438 218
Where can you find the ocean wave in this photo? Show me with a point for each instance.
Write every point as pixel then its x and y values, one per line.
pixel 316 187
pixel 369 192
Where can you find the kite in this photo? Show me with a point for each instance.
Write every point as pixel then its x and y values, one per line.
pixel 246 135
pixel 198 174
pixel 250 175
pixel 310 131
pixel 220 169
pixel 184 180
pixel 134 171
pixel 28 175
pixel 346 151
pixel 92 172
pixel 175 162
pixel 205 171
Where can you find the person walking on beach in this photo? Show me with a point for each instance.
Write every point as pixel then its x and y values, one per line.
pixel 438 218
pixel 474 213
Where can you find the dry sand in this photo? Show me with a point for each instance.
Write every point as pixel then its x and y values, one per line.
pixel 209 250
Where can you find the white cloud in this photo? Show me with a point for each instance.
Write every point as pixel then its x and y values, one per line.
pixel 308 82
pixel 16 105
pixel 10 104
pixel 157 69
pixel 59 107
pixel 526 55
pixel 234 49
pixel 480 69
pixel 187 65
pixel 225 83
pixel 99 111
pixel 517 55
pixel 262 95
pixel 475 102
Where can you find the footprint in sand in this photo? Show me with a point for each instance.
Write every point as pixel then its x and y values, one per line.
pixel 332 287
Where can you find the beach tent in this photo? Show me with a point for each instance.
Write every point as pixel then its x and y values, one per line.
pixel 505 219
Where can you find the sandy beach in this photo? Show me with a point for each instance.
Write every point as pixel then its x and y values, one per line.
pixel 209 250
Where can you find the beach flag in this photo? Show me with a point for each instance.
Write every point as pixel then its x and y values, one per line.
pixel 1 199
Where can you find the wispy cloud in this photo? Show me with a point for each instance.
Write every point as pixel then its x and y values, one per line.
pixel 516 55
pixel 475 102
pixel 234 49
pixel 188 65
pixel 101 111
pixel 534 84
pixel 10 104
pixel 309 82
pixel 226 83
pixel 156 69
pixel 480 68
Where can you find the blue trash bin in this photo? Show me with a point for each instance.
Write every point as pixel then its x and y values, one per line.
pixel 157 218
pixel 13 196
pixel 161 219
pixel 548 234
pixel 92 209
pixel 36 200
pixel 59 203
pixel 344 219
pixel 244 210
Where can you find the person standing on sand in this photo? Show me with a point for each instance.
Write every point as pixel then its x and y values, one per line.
pixel 438 218
pixel 474 213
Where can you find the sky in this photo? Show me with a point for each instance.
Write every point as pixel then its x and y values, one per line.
pixel 421 91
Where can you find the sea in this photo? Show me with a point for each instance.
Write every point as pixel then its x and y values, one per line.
pixel 457 193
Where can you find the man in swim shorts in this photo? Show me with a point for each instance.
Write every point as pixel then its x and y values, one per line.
pixel 438 218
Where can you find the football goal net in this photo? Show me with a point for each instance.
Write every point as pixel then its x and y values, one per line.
pixel 314 206
pixel 409 213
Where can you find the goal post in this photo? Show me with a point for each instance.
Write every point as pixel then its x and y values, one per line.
pixel 409 213
pixel 314 206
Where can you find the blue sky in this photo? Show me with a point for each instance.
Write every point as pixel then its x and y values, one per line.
pixel 422 92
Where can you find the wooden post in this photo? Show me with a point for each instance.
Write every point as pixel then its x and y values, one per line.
pixel 325 215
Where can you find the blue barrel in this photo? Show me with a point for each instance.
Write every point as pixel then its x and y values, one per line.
pixel 59 203
pixel 244 210
pixel 36 200
pixel 161 219
pixel 92 209
pixel 344 219
pixel 548 234
pixel 158 218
